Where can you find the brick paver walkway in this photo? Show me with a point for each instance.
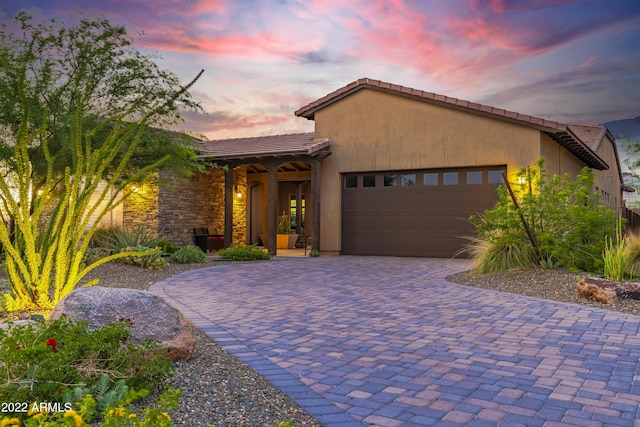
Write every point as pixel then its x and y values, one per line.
pixel 389 342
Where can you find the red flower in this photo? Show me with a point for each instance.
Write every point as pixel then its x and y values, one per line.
pixel 52 342
pixel 55 350
pixel 121 319
pixel 17 347
pixel 124 338
pixel 137 369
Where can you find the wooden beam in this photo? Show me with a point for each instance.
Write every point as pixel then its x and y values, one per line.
pixel 272 208
pixel 228 207
pixel 315 203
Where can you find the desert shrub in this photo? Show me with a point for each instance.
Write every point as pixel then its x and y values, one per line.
pixel 244 253
pixel 61 361
pixel 314 253
pixel 116 239
pixel 567 224
pixel 632 247
pixel 121 413
pixel 493 256
pixel 92 255
pixel 189 254
pixel 166 246
pixel 147 258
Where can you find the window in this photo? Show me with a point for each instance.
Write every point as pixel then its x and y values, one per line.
pixel 450 178
pixel 430 179
pixel 293 210
pixel 350 181
pixel 474 177
pixel 495 177
pixel 390 180
pixel 369 181
pixel 408 180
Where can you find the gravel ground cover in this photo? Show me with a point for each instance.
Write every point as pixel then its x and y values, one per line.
pixel 218 389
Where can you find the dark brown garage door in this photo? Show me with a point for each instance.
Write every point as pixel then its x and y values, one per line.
pixel 414 213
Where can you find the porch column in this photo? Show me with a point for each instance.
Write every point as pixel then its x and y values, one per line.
pixel 315 203
pixel 272 207
pixel 228 207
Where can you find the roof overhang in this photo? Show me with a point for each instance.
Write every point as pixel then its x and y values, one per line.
pixel 282 148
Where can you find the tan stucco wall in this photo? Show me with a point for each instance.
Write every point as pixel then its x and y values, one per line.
pixel 609 180
pixel 375 131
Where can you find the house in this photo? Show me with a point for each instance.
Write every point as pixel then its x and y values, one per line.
pixel 389 170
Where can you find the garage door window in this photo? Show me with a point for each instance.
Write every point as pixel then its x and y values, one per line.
pixel 474 177
pixel 430 179
pixel 390 180
pixel 450 178
pixel 409 180
pixel 495 177
pixel 369 181
pixel 350 181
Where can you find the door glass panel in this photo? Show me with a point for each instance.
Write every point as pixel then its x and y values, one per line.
pixel 408 180
pixel 430 179
pixel 450 178
pixel 390 180
pixel 369 181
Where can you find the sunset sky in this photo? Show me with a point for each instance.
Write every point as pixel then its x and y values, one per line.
pixel 564 60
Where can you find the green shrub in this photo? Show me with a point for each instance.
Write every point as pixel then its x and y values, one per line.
pixel 120 414
pixel 151 259
pixel 60 360
pixel 92 255
pixel 166 246
pixel 567 224
pixel 244 253
pixel 116 239
pixel 493 256
pixel 189 254
pixel 315 253
pixel 632 244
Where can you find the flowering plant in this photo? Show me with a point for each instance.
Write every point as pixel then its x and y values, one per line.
pixel 61 361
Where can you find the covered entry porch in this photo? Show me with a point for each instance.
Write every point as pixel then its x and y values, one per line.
pixel 282 177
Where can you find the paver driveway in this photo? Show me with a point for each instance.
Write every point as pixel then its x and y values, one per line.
pixel 388 341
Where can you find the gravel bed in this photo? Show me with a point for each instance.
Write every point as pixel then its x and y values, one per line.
pixel 218 389
pixel 554 284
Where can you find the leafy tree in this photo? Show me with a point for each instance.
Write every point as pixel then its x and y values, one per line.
pixel 95 59
pixel 567 225
pixel 76 105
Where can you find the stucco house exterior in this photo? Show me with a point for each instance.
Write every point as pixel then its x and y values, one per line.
pixel 389 170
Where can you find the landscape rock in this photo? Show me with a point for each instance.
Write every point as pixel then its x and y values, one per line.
pixel 152 317
pixel 596 289
pixel 629 290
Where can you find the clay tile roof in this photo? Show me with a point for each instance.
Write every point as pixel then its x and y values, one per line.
pixel 296 144
pixel 592 135
pixel 569 138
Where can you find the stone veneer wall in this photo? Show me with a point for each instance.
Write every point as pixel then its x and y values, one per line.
pixel 186 203
pixel 178 205
pixel 141 207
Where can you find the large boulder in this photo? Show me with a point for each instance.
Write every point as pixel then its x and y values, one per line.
pixel 152 317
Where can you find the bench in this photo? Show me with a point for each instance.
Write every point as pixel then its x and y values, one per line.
pixel 207 238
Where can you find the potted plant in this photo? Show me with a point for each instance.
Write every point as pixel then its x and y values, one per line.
pixel 285 238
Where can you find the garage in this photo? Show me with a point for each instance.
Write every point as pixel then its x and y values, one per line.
pixel 414 213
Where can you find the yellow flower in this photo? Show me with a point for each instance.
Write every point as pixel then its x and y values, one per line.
pixel 132 415
pixel 77 419
pixel 10 422
pixel 166 416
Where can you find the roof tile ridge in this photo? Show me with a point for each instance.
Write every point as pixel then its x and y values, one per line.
pixel 258 137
